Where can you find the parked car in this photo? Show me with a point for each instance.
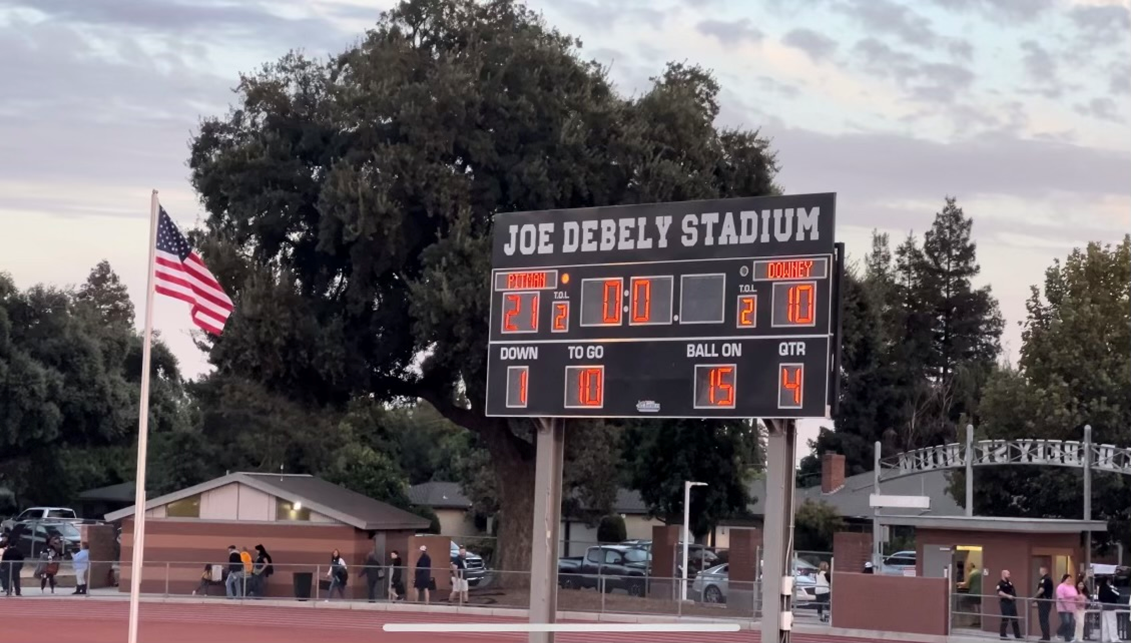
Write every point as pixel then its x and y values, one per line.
pixel 607 567
pixel 476 572
pixel 39 513
pixel 701 557
pixel 31 537
pixel 899 563
pixel 710 586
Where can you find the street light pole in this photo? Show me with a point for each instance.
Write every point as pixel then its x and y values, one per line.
pixel 687 485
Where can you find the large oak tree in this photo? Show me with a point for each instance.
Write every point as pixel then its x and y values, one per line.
pixel 350 203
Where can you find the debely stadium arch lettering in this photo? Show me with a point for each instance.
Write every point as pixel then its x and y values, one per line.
pixel 1056 453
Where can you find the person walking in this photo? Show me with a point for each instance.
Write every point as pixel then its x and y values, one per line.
pixel 261 570
pixel 81 561
pixel 422 582
pixel 1044 600
pixel 459 577
pixel 13 565
pixel 1081 612
pixel 339 575
pixel 1066 608
pixel 1007 597
pixel 1109 623
pixel 233 586
pixel 373 573
pixel 396 580
pixel 823 591
pixel 48 567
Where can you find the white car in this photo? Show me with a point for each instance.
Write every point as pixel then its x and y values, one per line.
pixel 710 585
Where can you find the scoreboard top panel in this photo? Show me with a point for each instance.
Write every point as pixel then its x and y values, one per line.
pixel 723 228
pixel 698 309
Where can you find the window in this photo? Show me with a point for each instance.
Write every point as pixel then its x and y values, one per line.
pixel 593 555
pixel 636 556
pixel 60 513
pixel 287 510
pixel 184 508
pixel 612 557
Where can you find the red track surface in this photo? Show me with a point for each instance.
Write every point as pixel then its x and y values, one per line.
pixel 45 620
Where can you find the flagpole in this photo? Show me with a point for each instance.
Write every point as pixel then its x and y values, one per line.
pixel 143 428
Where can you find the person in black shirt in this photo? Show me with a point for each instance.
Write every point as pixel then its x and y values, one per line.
pixel 1007 595
pixel 1044 598
pixel 234 584
pixel 459 577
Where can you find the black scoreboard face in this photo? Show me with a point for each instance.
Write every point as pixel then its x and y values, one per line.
pixel 696 309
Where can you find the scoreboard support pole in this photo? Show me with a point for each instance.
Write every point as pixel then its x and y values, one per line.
pixel 777 554
pixel 550 451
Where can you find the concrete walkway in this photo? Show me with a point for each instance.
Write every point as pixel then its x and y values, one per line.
pixel 112 594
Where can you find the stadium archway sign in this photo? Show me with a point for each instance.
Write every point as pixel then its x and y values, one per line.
pixel 1055 453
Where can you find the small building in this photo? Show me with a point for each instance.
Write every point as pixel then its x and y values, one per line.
pixel 103 500
pixel 452 508
pixel 299 519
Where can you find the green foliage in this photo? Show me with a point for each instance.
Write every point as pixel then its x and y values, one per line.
pixel 611 529
pixel 814 524
pixel 350 204
pixel 919 343
pixel 1073 370
pixel 361 469
pixel 70 369
pixel 661 455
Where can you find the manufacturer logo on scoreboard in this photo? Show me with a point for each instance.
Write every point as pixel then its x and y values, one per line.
pixel 648 406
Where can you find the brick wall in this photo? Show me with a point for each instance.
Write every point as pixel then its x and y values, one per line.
pixel 851 550
pixel 102 541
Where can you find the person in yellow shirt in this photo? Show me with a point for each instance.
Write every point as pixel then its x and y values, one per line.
pixel 245 557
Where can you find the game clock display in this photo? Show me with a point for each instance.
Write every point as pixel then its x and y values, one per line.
pixel 711 335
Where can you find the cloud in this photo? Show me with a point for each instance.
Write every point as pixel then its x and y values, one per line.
pixel 884 16
pixel 1103 109
pixel 1043 68
pixel 607 14
pixel 930 82
pixel 203 18
pixel 816 45
pixel 1009 11
pixel 1107 24
pixel 733 33
pixel 961 49
pixel 1120 83
pixel 775 86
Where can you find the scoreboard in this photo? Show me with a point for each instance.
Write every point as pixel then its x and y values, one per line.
pixel 700 309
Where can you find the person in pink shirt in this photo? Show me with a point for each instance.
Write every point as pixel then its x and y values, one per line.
pixel 1066 597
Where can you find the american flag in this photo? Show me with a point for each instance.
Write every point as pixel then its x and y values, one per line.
pixel 182 275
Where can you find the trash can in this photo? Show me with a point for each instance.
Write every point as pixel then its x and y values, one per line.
pixel 303 583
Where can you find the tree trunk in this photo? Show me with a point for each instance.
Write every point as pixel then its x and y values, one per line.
pixel 514 477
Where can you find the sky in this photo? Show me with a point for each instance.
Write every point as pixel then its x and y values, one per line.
pixel 1019 108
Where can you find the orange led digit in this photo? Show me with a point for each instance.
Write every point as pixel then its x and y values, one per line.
pixel 522 378
pixel 590 387
pixel 513 308
pixel 747 311
pixel 641 301
pixel 721 388
pixel 792 384
pixel 800 304
pixel 610 305
pixel 560 323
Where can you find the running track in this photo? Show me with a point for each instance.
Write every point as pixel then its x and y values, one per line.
pixel 97 621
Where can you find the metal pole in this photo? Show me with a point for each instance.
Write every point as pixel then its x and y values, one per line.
pixel 143 429
pixel 1087 498
pixel 550 446
pixel 781 474
pixel 877 530
pixel 969 469
pixel 686 539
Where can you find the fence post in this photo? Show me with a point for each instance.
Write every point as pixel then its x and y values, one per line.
pixel 166 580
pixel 317 583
